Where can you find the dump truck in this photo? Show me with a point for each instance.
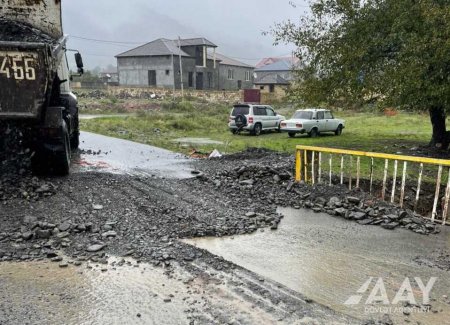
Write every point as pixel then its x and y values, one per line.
pixel 35 92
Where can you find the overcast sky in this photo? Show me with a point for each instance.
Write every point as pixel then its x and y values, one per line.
pixel 236 26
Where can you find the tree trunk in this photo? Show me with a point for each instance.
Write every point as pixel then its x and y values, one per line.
pixel 438 121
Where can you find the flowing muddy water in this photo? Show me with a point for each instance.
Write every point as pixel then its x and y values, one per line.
pixel 44 293
pixel 106 154
pixel 328 259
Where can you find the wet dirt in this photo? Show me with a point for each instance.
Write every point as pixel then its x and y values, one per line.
pixel 328 259
pixel 121 198
pixel 138 293
pixel 43 293
pixel 196 141
pixel 105 154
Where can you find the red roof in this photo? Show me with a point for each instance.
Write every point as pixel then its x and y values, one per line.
pixel 266 61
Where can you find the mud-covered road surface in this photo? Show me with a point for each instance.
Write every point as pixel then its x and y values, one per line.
pixel 105 154
pixel 328 259
pixel 114 243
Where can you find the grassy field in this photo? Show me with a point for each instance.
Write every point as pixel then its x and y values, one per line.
pixel 164 123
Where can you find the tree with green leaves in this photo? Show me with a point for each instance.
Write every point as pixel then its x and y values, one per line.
pixel 393 52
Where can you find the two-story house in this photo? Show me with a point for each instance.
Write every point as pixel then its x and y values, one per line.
pixel 165 63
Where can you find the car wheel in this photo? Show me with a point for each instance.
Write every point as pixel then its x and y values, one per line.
pixel 291 134
pixel 257 129
pixel 314 133
pixel 338 130
pixel 279 128
pixel 240 121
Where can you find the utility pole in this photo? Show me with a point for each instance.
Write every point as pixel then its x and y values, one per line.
pixel 181 68
pixel 173 77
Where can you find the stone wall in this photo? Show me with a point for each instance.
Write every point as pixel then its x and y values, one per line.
pixel 146 92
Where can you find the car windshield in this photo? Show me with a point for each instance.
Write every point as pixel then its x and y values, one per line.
pixel 240 110
pixel 303 115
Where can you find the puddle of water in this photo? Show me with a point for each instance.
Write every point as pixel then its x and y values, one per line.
pixel 328 259
pixel 96 116
pixel 126 157
pixel 196 141
pixel 44 293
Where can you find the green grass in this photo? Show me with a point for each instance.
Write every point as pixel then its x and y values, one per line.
pixel 364 131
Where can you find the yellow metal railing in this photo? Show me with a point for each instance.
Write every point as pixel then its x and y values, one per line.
pixel 310 169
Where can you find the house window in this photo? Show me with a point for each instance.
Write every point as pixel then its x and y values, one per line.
pixel 191 79
pixel 272 88
pixel 199 56
pixel 247 75
pixel 261 87
pixel 167 72
pixel 230 74
pixel 210 81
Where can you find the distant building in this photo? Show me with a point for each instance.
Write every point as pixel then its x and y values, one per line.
pixel 157 64
pixel 233 74
pixel 266 61
pixel 110 77
pixel 274 77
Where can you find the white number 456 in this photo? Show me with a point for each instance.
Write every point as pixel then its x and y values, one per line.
pixel 17 67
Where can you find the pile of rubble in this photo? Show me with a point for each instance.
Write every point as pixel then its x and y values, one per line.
pixel 16 180
pixel 94 94
pixel 270 184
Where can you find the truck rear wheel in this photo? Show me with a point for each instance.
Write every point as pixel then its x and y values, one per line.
pixel 57 163
pixel 75 138
pixel 61 163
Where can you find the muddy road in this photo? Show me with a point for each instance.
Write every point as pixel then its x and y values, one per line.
pixel 140 235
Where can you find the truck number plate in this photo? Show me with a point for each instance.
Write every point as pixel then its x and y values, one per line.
pixel 18 65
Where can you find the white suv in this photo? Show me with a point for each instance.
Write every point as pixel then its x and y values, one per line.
pixel 254 118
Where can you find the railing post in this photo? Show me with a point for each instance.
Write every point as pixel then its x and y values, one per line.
pixel 371 175
pixel 298 165
pixel 350 174
pixel 358 170
pixel 419 184
pixel 447 197
pixel 331 169
pixel 402 193
pixel 394 181
pixel 386 167
pixel 319 180
pixel 305 157
pixel 436 195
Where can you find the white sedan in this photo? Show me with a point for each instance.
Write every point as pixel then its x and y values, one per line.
pixel 312 122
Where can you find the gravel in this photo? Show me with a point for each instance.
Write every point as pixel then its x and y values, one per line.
pixel 144 217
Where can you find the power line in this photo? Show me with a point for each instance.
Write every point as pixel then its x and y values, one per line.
pixel 119 43
pixel 105 41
